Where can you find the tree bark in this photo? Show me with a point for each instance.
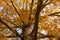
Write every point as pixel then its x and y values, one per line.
pixel 39 6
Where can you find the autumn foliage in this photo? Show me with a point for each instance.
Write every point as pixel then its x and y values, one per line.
pixel 30 19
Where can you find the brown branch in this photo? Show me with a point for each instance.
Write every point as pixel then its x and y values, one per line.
pixel 16 26
pixel 10 36
pixel 26 5
pixel 45 36
pixel 14 31
pixel 52 14
pixel 7 4
pixel 57 15
pixel 15 7
pixel 40 6
pixel 31 9
pixel 46 1
pixel 35 29
pixel 45 4
pixel 16 10
pixel 11 27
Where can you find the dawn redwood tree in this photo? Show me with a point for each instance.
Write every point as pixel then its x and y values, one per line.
pixel 30 19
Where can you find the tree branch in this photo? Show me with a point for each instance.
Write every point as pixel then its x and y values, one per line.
pixel 16 10
pixel 35 29
pixel 31 9
pixel 52 14
pixel 45 36
pixel 14 31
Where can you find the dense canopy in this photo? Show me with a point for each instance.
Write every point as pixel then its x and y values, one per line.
pixel 30 19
